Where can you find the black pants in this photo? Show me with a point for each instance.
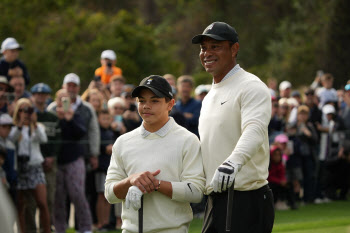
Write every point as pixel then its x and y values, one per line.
pixel 253 212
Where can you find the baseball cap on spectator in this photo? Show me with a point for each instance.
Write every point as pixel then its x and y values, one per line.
pixel 284 85
pixel 295 94
pixel 108 54
pixel 4 80
pixel 10 43
pixel 281 138
pixel 40 88
pixel 157 84
pixel 217 31
pixel 6 119
pixel 71 78
pixel 328 109
pixel 201 89
pixel 116 100
pixel 274 148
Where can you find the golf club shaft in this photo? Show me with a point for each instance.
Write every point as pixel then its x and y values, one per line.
pixel 229 207
pixel 141 216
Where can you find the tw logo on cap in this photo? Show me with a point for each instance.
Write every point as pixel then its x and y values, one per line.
pixel 149 81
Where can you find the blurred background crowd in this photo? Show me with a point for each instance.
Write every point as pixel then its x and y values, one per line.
pixel 55 147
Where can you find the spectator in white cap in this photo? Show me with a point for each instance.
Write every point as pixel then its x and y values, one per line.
pixel 201 91
pixel 108 68
pixel 285 89
pixel 10 65
pixel 89 145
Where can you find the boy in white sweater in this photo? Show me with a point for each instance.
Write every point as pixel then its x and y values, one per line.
pixel 160 160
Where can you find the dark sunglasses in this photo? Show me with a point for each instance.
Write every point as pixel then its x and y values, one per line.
pixel 29 110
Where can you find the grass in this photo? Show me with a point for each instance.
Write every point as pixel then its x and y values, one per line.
pixel 331 217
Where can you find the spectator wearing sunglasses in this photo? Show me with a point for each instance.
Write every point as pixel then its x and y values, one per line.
pixel 27 134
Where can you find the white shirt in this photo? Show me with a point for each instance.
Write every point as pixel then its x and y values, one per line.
pixel 233 123
pixel 176 152
pixel 29 145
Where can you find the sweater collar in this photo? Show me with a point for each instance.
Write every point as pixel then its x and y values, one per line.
pixel 161 132
pixel 234 70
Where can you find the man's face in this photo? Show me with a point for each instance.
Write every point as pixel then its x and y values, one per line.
pixel 5 130
pixel 18 85
pixel 72 89
pixel 117 87
pixel 105 120
pixel 105 61
pixel 11 55
pixel 218 57
pixel 185 89
pixel 285 93
pixel 40 98
pixel 153 110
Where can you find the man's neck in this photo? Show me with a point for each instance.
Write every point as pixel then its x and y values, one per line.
pixel 40 107
pixel 185 100
pixel 219 77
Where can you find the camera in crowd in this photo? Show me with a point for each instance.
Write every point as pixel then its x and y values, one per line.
pixel 22 162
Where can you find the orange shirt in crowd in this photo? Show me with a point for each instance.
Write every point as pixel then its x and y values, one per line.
pixel 105 78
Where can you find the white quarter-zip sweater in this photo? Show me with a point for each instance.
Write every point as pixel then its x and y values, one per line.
pixel 233 124
pixel 176 152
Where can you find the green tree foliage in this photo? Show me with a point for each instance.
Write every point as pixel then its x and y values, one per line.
pixel 71 39
pixel 288 40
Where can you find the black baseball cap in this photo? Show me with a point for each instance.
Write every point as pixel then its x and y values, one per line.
pixel 217 31
pixel 157 84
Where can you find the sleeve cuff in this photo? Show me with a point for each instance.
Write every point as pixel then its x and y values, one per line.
pixel 178 191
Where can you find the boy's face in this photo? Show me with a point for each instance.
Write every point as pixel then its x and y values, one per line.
pixel 105 120
pixel 5 130
pixel 276 156
pixel 329 116
pixel 327 83
pixel 153 110
pixel 11 55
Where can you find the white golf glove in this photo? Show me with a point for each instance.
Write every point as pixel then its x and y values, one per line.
pixel 224 176
pixel 133 198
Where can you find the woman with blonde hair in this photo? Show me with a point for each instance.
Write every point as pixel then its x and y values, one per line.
pixel 27 134
pixel 95 98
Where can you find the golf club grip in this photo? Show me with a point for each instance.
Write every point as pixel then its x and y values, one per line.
pixel 141 216
pixel 229 207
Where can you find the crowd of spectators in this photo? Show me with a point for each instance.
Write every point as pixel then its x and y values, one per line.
pixel 309 138
pixel 55 148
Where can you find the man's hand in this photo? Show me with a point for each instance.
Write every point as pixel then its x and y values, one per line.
pixel 133 198
pixel 224 176
pixel 94 162
pixel 48 163
pixel 145 181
